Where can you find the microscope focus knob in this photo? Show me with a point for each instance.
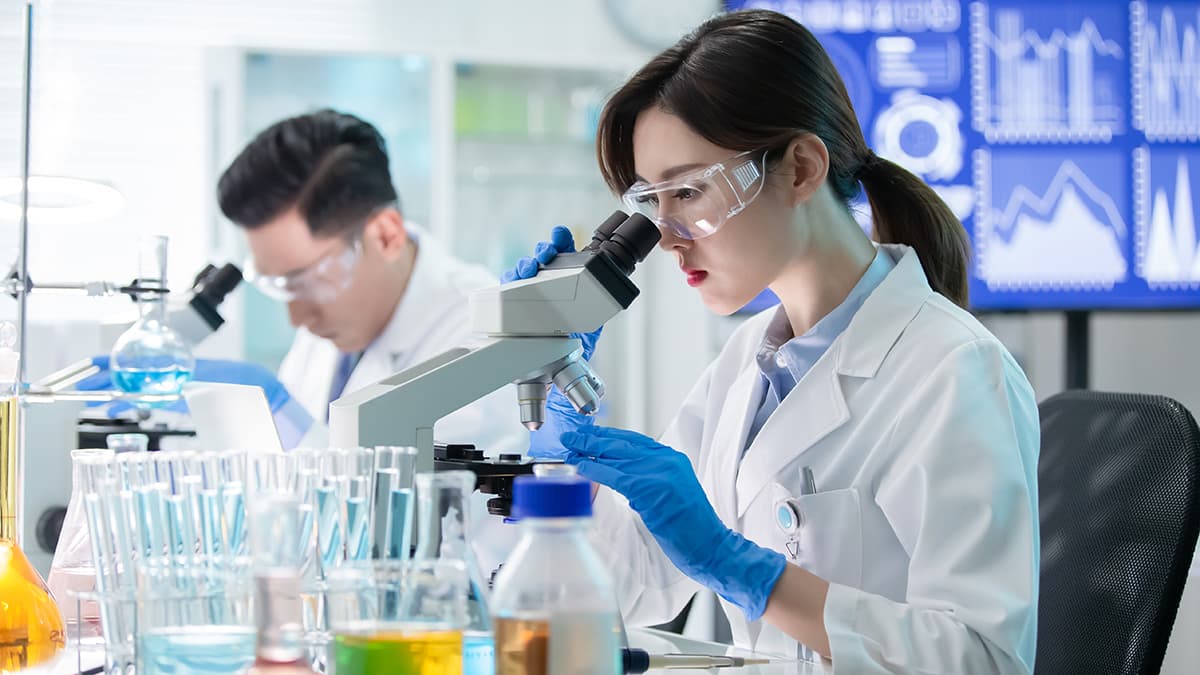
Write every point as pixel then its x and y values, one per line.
pixel 49 527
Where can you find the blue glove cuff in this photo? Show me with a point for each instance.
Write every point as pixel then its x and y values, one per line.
pixel 743 573
pixel 292 421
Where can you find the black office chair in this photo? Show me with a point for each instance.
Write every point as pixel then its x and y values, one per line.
pixel 1119 486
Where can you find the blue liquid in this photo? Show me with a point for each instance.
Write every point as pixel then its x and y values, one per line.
pixel 234 507
pixel 151 529
pixel 329 527
pixel 304 555
pixel 479 656
pixel 163 381
pixel 399 524
pixel 358 544
pixel 210 522
pixel 180 541
pixel 196 650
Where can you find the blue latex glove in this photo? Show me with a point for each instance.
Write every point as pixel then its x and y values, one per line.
pixel 561 416
pixel 292 421
pixel 661 486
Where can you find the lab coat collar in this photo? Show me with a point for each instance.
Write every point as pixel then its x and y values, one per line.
pixel 878 324
pixel 817 407
pixel 425 291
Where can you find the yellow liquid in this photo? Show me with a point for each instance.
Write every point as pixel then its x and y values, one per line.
pixel 522 647
pixel 400 652
pixel 31 627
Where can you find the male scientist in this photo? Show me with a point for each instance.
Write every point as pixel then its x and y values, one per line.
pixel 369 293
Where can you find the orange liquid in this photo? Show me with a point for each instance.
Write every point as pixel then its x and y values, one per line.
pixel 31 627
pixel 522 647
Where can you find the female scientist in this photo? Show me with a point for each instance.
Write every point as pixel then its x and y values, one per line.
pixel 855 474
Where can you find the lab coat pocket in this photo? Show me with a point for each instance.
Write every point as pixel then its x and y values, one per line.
pixel 828 541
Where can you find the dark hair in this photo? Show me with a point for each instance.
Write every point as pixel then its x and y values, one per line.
pixel 755 80
pixel 331 166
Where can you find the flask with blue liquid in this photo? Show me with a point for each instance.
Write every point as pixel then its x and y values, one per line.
pixel 149 357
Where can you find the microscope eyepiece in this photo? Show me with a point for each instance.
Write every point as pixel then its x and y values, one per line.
pixel 630 242
pixel 214 284
pixel 605 230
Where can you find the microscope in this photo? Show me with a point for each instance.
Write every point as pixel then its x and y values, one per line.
pixel 523 330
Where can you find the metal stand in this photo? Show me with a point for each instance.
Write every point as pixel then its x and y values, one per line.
pixel 22 266
pixel 1078 356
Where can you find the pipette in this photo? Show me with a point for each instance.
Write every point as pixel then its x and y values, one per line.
pixel 639 661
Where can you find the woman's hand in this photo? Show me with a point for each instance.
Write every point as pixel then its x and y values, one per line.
pixel 662 487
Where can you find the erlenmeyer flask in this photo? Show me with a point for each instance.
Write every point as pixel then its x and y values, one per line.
pixel 149 357
pixel 73 571
pixel 31 627
pixel 443 522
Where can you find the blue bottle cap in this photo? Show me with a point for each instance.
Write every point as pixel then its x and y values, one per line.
pixel 551 497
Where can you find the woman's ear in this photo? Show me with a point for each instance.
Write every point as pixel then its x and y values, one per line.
pixel 386 233
pixel 809 160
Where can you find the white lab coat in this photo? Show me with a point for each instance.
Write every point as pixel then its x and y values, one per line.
pixel 922 435
pixel 431 318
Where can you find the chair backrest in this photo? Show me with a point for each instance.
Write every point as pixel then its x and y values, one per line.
pixel 1119 491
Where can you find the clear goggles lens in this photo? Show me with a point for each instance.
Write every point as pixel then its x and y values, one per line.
pixel 696 205
pixel 320 282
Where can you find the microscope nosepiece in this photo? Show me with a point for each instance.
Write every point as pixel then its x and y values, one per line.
pixel 581 385
pixel 583 396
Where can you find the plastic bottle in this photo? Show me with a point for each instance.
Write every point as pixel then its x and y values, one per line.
pixel 553 608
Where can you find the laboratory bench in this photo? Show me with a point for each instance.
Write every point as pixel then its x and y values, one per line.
pixel 653 641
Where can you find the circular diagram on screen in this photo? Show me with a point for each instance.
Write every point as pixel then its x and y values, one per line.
pixel 921 134
pixel 854 75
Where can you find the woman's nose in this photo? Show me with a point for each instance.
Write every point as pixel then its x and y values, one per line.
pixel 671 241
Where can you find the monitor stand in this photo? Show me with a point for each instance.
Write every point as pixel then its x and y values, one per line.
pixel 1079 326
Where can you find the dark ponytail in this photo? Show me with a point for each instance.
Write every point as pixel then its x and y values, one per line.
pixel 907 211
pixel 755 80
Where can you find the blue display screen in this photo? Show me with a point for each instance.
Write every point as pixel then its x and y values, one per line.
pixel 1065 135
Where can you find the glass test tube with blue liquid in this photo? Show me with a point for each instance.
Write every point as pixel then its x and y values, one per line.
pixel 395 470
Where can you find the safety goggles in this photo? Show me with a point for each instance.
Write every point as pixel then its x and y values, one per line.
pixel 697 204
pixel 321 282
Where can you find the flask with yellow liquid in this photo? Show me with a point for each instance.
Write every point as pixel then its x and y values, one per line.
pixel 31 627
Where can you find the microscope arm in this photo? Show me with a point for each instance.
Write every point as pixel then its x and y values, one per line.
pixel 401 409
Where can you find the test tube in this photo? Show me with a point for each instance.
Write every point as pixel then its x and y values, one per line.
pixel 394 503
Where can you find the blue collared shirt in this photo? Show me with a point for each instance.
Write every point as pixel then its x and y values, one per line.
pixel 784 360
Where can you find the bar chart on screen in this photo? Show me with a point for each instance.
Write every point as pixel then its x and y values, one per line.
pixel 1038 77
pixel 1166 68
